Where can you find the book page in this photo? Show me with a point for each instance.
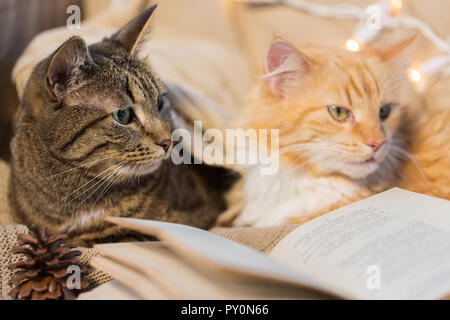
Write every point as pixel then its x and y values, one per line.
pixel 394 245
pixel 112 290
pixel 220 254
pixel 132 278
pixel 183 279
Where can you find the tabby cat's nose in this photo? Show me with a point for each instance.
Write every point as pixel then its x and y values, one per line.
pixel 166 144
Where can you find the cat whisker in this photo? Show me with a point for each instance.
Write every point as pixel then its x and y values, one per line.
pixel 103 181
pixel 311 147
pixel 131 177
pixel 304 141
pixel 392 161
pixel 294 147
pixel 139 177
pixel 109 185
pixel 412 159
pixel 73 192
pixel 395 79
pixel 75 168
pixel 299 140
pixel 167 72
pixel 91 180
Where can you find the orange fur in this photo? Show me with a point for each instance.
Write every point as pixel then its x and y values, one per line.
pixel 415 155
pixel 428 169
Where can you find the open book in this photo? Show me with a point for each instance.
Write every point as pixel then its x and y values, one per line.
pixel 394 245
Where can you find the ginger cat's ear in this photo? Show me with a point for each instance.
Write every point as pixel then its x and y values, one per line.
pixel 285 66
pixel 395 51
pixel 134 32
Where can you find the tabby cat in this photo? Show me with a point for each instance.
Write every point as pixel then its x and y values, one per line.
pixel 94 139
pixel 350 125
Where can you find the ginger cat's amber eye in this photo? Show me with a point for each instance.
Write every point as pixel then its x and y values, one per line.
pixel 338 113
pixel 385 111
pixel 123 116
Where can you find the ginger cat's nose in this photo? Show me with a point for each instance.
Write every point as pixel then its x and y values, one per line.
pixel 375 145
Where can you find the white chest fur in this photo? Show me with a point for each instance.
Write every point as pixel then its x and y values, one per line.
pixel 272 199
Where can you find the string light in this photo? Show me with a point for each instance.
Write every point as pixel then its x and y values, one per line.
pixel 414 75
pixel 352 45
pixel 396 7
pixel 371 23
pixel 384 14
pixel 423 74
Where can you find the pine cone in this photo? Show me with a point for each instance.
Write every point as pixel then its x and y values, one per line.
pixel 43 274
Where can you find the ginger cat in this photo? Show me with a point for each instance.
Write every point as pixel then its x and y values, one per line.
pixel 350 125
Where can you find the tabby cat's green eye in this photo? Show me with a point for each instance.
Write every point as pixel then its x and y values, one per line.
pixel 123 116
pixel 385 111
pixel 338 113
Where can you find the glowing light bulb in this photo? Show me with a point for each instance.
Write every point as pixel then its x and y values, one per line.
pixel 415 75
pixel 396 7
pixel 352 45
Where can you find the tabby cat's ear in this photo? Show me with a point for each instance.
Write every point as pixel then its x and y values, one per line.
pixel 134 32
pixel 285 66
pixel 65 64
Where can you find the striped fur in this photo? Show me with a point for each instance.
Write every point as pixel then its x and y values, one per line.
pixel 73 164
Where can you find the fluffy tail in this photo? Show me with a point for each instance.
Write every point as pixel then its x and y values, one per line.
pixel 431 146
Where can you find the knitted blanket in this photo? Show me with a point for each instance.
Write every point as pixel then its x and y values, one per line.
pixel 262 239
pixel 8 240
